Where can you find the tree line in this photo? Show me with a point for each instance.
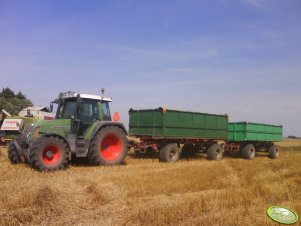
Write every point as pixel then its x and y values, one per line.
pixel 13 102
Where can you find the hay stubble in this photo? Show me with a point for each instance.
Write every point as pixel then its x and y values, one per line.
pixel 233 191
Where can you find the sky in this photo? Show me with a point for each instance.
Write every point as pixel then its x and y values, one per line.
pixel 235 57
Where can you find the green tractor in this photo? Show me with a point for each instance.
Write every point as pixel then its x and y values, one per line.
pixel 83 127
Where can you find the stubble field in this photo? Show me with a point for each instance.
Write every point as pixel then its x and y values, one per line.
pixel 232 191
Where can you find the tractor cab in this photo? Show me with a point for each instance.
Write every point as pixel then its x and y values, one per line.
pixel 83 110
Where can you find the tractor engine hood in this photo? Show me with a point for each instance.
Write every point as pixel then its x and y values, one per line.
pixel 60 127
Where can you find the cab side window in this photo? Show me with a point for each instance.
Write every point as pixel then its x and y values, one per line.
pixel 89 111
pixel 68 111
pixel 106 111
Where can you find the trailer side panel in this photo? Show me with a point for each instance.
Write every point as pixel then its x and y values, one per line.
pixel 247 131
pixel 177 124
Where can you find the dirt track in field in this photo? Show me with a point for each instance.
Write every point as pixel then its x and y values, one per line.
pixel 233 191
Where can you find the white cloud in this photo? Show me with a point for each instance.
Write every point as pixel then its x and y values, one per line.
pixel 259 4
pixel 166 53
pixel 189 70
pixel 212 52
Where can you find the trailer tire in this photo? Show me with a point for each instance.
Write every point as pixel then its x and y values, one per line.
pixel 13 154
pixel 215 152
pixel 274 152
pixel 108 146
pixel 49 153
pixel 169 153
pixel 248 152
pixel 188 150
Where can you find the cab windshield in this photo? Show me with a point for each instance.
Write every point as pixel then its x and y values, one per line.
pixel 68 109
pixel 90 110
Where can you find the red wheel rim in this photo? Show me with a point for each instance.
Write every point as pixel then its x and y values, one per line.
pixel 111 147
pixel 51 155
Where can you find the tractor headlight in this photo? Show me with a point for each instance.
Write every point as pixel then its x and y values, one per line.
pixel 27 130
pixel 31 131
pixel 36 132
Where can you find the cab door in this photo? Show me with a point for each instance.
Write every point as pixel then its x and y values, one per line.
pixel 105 111
pixel 88 114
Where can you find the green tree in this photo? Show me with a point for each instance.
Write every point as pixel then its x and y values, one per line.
pixel 21 96
pixel 13 103
pixel 7 93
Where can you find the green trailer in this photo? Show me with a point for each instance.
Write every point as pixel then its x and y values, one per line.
pixel 166 130
pixel 249 137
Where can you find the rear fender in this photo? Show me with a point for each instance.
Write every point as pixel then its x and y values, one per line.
pixel 100 125
pixel 97 128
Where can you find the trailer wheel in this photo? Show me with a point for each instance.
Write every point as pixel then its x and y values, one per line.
pixel 108 147
pixel 215 152
pixel 13 154
pixel 248 152
pixel 188 150
pixel 274 152
pixel 169 153
pixel 49 153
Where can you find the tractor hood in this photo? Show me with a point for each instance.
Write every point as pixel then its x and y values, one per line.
pixel 60 127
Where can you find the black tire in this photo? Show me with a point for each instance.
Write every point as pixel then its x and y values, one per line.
pixel 248 152
pixel 274 152
pixel 13 154
pixel 49 153
pixel 108 147
pixel 215 152
pixel 188 151
pixel 169 153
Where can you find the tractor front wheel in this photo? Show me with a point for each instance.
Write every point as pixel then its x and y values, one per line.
pixel 108 147
pixel 13 154
pixel 49 153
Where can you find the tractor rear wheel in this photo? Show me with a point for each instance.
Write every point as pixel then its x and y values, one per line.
pixel 169 153
pixel 274 152
pixel 13 154
pixel 49 153
pixel 215 152
pixel 248 152
pixel 108 147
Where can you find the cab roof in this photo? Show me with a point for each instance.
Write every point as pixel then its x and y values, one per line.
pixel 85 96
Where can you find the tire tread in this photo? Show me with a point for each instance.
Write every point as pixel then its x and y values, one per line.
pixel 35 151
